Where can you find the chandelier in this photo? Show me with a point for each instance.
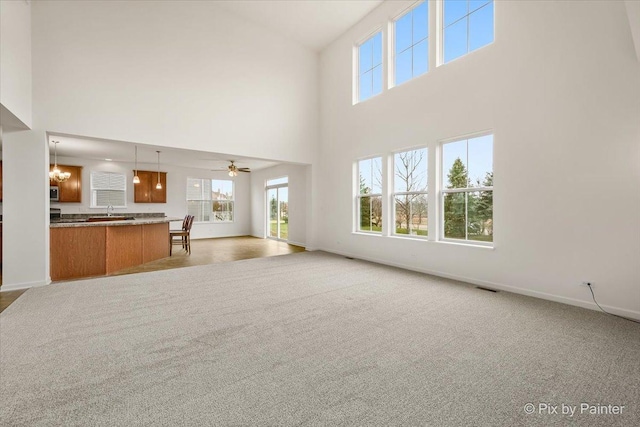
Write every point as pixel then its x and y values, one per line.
pixel 56 174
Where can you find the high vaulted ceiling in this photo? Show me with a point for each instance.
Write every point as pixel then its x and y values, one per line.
pixel 312 23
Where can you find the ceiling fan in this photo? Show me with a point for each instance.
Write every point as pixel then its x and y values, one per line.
pixel 233 169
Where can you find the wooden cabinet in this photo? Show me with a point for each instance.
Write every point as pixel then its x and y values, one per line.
pixel 98 250
pixel 146 191
pixel 71 189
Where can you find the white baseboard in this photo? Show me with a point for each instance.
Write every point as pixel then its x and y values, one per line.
pixel 632 314
pixel 302 245
pixel 24 285
pixel 222 236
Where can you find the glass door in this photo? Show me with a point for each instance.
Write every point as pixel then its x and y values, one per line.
pixel 278 209
pixel 272 212
pixel 283 213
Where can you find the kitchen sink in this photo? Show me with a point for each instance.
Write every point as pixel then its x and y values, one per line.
pixel 109 218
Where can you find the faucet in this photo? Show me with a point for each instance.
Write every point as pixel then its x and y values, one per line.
pixel 110 210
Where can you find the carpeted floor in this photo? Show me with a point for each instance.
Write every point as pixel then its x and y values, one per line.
pixel 306 339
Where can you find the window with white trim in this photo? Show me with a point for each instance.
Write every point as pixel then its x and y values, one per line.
pixel 108 189
pixel 411 43
pixel 467 190
pixel 467 25
pixel 370 67
pixel 369 195
pixel 410 192
pixel 210 200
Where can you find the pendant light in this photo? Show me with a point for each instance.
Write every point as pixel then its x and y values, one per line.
pixel 56 174
pixel 136 178
pixel 158 185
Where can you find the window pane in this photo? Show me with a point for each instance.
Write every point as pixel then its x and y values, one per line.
pixel 283 180
pixel 418 223
pixel 410 171
pixel 364 222
pixel 222 211
pixel 403 33
pixel 420 22
pixel 403 66
pixel 480 216
pixel 477 4
pixel 366 176
pixel 454 216
pixel 366 85
pixel 454 10
pixel 481 161
pixel 200 209
pixel 403 213
pixel 411 214
pixel 455 40
pixel 454 164
pixel 377 175
pixel 221 189
pixel 377 50
pixel 365 56
pixel 481 27
pixel 420 57
pixel 376 213
pixel 377 80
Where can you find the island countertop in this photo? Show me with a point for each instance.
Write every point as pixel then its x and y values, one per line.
pixel 140 221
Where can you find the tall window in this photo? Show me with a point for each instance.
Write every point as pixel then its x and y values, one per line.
pixel 370 67
pixel 108 189
pixel 410 192
pixel 467 25
pixel 411 43
pixel 210 200
pixel 369 199
pixel 467 189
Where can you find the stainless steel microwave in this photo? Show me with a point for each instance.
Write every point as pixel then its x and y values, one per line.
pixel 54 193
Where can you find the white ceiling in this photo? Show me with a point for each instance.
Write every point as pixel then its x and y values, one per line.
pixel 118 151
pixel 312 23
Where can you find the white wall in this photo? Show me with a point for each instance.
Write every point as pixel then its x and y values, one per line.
pixel 25 249
pixel 299 207
pixel 176 205
pixel 173 73
pixel 168 73
pixel 15 59
pixel 560 88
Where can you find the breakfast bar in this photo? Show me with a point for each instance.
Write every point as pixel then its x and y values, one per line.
pixel 104 245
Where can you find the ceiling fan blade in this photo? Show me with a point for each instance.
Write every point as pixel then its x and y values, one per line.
pixel 244 170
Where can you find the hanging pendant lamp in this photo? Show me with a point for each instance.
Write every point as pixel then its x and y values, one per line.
pixel 56 174
pixel 136 178
pixel 158 185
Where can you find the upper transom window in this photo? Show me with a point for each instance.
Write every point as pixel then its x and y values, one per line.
pixel 370 67
pixel 467 25
pixel 411 49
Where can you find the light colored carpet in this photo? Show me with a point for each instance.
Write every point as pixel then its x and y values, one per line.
pixel 306 339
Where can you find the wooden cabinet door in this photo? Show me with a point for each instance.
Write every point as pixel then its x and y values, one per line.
pixel 142 191
pixel 146 191
pixel 159 196
pixel 71 189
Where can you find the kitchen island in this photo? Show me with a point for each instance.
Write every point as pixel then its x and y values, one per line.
pixel 87 248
